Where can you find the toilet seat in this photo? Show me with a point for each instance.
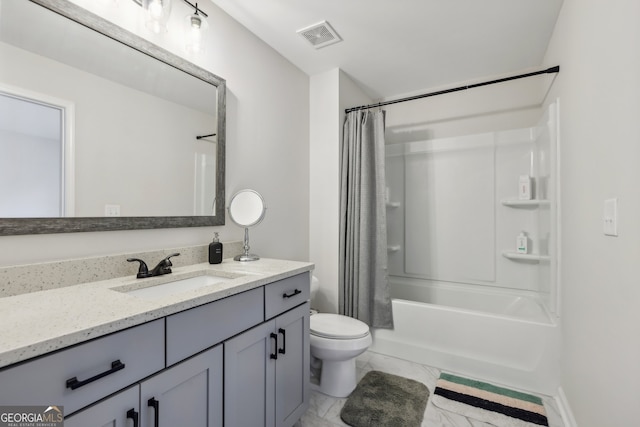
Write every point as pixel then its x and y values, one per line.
pixel 336 326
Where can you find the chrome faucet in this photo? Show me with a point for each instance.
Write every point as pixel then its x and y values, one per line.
pixel 163 267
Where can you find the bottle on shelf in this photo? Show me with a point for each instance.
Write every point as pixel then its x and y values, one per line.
pixel 522 243
pixel 524 187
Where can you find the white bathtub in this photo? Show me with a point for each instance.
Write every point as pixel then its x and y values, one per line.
pixel 487 334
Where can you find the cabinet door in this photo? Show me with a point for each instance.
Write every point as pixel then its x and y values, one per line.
pixel 292 366
pixel 187 394
pixel 120 410
pixel 249 378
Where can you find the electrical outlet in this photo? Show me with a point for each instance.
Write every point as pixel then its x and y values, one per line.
pixel 610 225
pixel 111 210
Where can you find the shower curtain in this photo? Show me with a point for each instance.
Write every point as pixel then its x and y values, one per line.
pixel 363 281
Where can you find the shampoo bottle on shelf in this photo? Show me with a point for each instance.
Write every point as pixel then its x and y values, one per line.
pixel 524 187
pixel 522 243
pixel 215 250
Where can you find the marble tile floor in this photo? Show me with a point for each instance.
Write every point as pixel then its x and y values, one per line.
pixel 324 411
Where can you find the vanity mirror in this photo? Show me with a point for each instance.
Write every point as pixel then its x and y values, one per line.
pixel 140 131
pixel 247 209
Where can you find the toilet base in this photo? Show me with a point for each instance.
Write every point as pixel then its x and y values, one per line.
pixel 338 378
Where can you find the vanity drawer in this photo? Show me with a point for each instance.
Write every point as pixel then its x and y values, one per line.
pixel 48 380
pixel 199 328
pixel 285 294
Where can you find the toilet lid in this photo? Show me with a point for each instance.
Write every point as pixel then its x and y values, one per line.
pixel 336 326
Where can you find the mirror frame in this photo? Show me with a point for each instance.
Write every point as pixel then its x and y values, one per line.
pixel 21 226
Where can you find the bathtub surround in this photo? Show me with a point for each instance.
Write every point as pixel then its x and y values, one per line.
pixel 384 399
pixel 364 283
pixel 21 279
pixel 453 217
pixel 455 210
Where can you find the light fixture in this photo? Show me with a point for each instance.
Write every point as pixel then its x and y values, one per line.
pixel 195 25
pixel 156 14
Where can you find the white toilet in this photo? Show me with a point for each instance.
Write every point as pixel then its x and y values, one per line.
pixel 337 340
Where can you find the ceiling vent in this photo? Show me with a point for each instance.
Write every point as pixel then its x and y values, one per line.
pixel 320 35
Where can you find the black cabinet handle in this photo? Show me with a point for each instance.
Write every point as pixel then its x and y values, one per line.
pixel 274 355
pixel 156 406
pixel 293 294
pixel 131 413
pixel 73 383
pixel 284 341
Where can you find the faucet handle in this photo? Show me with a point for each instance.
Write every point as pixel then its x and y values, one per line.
pixel 143 270
pixel 167 261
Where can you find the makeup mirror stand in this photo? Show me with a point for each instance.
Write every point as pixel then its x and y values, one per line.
pixel 247 209
pixel 246 256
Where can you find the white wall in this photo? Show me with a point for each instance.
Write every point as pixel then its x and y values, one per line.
pixel 324 186
pixel 331 93
pixel 267 147
pixel 596 45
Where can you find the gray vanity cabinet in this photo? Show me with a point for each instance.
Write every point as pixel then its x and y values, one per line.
pixel 246 354
pixel 187 394
pixel 248 375
pixel 266 373
pixel 80 375
pixel 292 366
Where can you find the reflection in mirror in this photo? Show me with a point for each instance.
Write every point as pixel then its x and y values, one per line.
pixel 130 114
pixel 33 146
pixel 247 209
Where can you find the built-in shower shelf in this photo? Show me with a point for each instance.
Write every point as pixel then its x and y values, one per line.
pixel 393 204
pixel 395 248
pixel 516 256
pixel 516 203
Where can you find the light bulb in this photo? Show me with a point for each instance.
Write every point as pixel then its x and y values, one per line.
pixel 155 9
pixel 157 14
pixel 196 22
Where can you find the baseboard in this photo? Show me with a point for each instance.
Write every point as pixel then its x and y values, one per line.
pixel 565 409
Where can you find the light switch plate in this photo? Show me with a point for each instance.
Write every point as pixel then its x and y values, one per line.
pixel 610 226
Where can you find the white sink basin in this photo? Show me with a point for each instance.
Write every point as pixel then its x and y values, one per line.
pixel 177 286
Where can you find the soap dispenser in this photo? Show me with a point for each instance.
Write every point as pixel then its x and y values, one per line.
pixel 215 250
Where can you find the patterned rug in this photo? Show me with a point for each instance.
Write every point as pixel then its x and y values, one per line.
pixel 385 400
pixel 489 403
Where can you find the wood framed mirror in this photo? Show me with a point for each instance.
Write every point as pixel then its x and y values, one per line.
pixel 124 161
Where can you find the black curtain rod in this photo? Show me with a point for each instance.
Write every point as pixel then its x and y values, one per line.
pixel 551 70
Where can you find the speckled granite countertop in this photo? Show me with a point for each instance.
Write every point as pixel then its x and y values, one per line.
pixel 36 323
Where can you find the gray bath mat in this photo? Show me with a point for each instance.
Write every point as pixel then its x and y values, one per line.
pixel 382 399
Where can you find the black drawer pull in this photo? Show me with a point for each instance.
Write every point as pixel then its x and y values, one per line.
pixel 274 355
pixel 293 294
pixel 284 341
pixel 131 413
pixel 155 405
pixel 73 383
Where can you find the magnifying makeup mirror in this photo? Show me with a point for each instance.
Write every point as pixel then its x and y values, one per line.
pixel 247 209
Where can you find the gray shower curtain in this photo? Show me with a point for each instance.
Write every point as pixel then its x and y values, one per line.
pixel 364 284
